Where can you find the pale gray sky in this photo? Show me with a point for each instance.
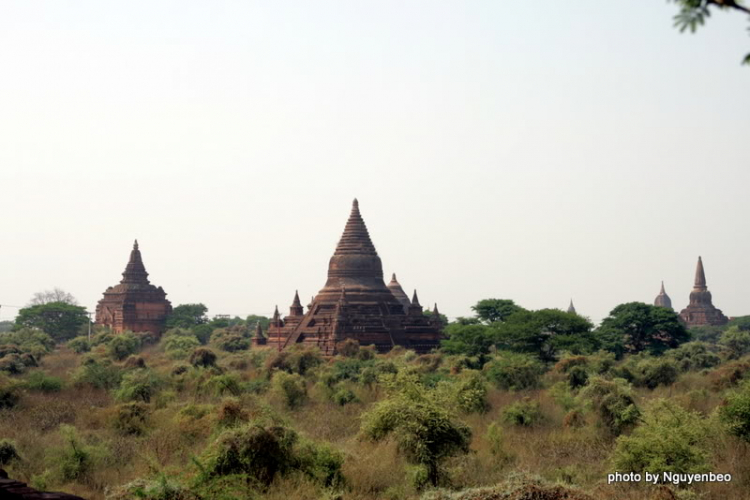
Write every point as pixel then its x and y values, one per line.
pixel 528 150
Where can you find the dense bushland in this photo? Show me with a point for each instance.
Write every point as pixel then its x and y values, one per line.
pixel 199 414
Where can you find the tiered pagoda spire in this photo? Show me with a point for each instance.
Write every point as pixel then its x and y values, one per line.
pixel 701 310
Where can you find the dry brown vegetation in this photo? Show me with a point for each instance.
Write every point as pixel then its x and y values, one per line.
pixel 155 428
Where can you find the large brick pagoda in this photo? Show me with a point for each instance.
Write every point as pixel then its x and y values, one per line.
pixel 356 303
pixel 134 304
pixel 701 310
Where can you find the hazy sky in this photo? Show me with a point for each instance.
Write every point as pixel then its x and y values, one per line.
pixel 536 151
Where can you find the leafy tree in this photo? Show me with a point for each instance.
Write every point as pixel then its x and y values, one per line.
pixel 59 320
pixel 736 342
pixel 469 340
pixel 545 333
pixel 425 430
pixel 741 322
pixel 254 319
pixel 6 326
pixel 494 310
pixel 187 316
pixel 693 13
pixel 636 327
pixel 461 320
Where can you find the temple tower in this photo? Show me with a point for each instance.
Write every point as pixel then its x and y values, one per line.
pixel 134 304
pixel 355 303
pixel 701 310
pixel 395 287
pixel 663 300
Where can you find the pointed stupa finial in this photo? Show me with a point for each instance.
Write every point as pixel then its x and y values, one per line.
pixel 571 307
pixel 415 299
pixel 355 204
pixel 296 301
pixel 662 288
pixel 258 330
pixel 435 310
pixel 700 275
pixel 276 314
pixel 393 277
pixel 135 271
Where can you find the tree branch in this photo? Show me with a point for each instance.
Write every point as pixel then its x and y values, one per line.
pixel 732 4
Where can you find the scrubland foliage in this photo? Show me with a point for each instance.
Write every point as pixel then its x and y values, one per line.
pixel 199 413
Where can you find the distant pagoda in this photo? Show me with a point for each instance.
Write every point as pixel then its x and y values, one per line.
pixel 701 310
pixel 663 300
pixel 571 307
pixel 134 304
pixel 356 303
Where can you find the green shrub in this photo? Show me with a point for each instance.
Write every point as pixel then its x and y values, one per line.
pixel 729 374
pixel 613 401
pixel 131 418
pixel 514 371
pixel 179 343
pixel 225 384
pixel 296 359
pixel 8 397
pixel 257 452
pixel 344 396
pixel 671 439
pixel 320 462
pixel 349 348
pixel 562 394
pixel 12 364
pixel 257 386
pixel 38 381
pixel 8 452
pixel 74 461
pixel 525 413
pixel 140 385
pixel 134 362
pixel 645 371
pixel 466 392
pixel 577 377
pixel 232 343
pixel 694 356
pixel 231 413
pixel 736 342
pixel 79 345
pixel 123 345
pixel 158 489
pixel 29 340
pixel 735 412
pixel 424 429
pixel 290 388
pixel 101 375
pixel 203 358
pixel 496 439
